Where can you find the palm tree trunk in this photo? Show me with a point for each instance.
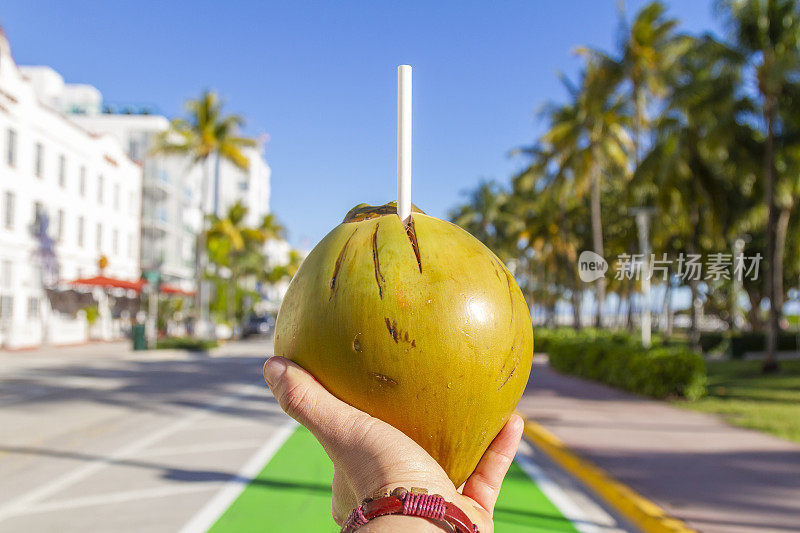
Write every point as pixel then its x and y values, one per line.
pixel 780 250
pixel 670 320
pixel 753 317
pixel 691 247
pixel 629 300
pixel 770 364
pixel 201 258
pixel 638 125
pixel 665 307
pixel 230 303
pixel 216 184
pixel 597 242
pixel 694 329
pixel 576 309
pixel 782 226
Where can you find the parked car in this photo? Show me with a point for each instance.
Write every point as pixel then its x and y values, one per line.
pixel 258 325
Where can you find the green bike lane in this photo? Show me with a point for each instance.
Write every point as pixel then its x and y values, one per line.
pixel 292 493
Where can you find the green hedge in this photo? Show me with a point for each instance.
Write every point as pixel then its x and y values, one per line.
pixel 743 342
pixel 711 340
pixel 618 359
pixel 185 343
pixel 756 341
pixel 543 338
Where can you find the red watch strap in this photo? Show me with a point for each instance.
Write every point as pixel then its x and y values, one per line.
pixel 410 504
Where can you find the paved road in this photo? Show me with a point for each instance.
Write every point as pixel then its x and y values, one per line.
pixel 718 478
pixel 99 438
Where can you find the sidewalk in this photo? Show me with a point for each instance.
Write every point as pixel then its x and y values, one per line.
pixel 715 477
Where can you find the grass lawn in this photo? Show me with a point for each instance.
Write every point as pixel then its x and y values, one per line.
pixel 742 395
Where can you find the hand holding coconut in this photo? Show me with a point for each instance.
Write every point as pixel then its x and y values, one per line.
pixel 421 336
pixel 370 455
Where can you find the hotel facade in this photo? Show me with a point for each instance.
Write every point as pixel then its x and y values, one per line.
pixel 70 203
pixel 81 189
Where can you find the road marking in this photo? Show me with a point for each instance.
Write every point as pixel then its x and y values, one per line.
pixel 636 509
pixel 201 448
pixel 210 513
pixel 571 510
pixel 115 497
pixel 21 503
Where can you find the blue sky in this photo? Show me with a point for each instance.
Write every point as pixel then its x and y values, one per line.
pixel 319 78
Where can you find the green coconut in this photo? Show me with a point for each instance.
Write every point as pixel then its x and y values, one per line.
pixel 417 324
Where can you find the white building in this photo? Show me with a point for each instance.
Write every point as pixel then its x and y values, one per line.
pixel 172 195
pixel 67 197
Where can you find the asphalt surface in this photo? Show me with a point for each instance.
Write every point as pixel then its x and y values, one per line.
pixel 99 438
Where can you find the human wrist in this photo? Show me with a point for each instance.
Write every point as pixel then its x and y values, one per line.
pixel 410 524
pixel 446 513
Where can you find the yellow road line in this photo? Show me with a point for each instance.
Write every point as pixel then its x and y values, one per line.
pixel 641 512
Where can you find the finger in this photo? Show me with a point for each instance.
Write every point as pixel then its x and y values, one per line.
pixel 303 398
pixel 483 485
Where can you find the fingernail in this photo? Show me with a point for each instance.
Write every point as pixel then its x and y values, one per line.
pixel 274 369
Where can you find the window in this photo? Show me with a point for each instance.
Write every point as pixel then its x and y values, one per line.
pixel 82 183
pixel 8 218
pixel 6 271
pixel 116 196
pixel 130 246
pixel 39 216
pixel 134 150
pixel 131 203
pixel 38 166
pixel 81 224
pixel 6 307
pixel 60 225
pixel 11 148
pixel 33 307
pixel 100 183
pixel 99 236
pixel 62 171
pixel 115 242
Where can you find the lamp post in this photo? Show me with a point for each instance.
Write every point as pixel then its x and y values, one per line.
pixel 643 215
pixel 738 258
pixel 153 278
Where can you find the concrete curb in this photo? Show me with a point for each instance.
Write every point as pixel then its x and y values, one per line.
pixel 638 510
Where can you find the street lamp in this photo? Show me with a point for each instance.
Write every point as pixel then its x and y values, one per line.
pixel 643 215
pixel 738 258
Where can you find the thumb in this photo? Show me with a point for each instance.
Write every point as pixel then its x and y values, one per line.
pixel 483 485
pixel 303 398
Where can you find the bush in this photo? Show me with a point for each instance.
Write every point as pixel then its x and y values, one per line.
pixel 617 359
pixel 542 338
pixel 712 339
pixel 756 341
pixel 185 343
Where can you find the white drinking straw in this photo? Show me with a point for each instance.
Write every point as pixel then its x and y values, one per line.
pixel 404 142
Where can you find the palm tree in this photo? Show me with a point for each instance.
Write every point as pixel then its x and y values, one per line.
pixel 701 159
pixel 587 141
pixel 651 50
pixel 271 227
pixel 206 132
pixel 287 271
pixel 484 217
pixel 768 33
pixel 237 247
